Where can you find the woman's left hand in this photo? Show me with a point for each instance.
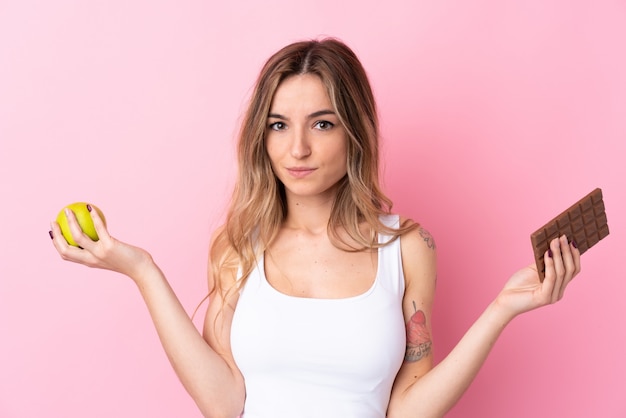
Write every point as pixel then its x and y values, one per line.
pixel 524 292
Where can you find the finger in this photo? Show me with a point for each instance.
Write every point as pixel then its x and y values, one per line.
pixel 58 240
pixel 549 281
pixel 65 250
pixel 559 268
pixel 76 231
pixel 98 224
pixel 568 258
pixel 568 263
pixel 576 255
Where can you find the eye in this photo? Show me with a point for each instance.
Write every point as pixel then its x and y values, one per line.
pixel 277 126
pixel 324 125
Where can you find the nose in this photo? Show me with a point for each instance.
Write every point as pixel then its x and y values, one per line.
pixel 300 147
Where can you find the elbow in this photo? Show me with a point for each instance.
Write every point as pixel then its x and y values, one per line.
pixel 414 413
pixel 398 410
pixel 220 408
pixel 215 402
pixel 210 411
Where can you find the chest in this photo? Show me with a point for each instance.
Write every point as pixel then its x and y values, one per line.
pixel 318 269
pixel 361 336
pixel 324 356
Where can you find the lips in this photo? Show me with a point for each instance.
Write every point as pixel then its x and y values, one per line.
pixel 300 172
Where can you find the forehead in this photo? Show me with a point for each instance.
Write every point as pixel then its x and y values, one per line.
pixel 301 92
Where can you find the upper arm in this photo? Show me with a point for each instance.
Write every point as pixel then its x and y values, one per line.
pixel 218 320
pixel 223 297
pixel 217 323
pixel 419 262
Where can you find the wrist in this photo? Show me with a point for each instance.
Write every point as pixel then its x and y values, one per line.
pixel 143 268
pixel 499 313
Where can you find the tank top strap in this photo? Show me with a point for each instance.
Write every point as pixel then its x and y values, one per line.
pixel 391 274
pixel 254 279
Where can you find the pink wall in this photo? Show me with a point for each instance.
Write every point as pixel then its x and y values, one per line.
pixel 495 116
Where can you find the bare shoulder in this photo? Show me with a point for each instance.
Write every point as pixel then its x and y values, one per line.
pixel 417 242
pixel 419 254
pixel 419 237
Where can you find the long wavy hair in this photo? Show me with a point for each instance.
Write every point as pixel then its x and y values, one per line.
pixel 258 206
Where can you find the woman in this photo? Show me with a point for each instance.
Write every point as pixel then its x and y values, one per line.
pixel 320 297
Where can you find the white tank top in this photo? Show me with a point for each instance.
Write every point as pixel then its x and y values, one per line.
pixel 308 357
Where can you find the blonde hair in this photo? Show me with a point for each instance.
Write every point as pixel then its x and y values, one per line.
pixel 258 205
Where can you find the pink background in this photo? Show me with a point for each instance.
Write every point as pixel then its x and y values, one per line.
pixel 495 117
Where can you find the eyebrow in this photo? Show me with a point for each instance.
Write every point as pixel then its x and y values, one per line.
pixel 311 116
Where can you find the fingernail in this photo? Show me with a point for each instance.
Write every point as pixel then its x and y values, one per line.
pixel 574 244
pixel 88 207
pixel 51 234
pixel 550 252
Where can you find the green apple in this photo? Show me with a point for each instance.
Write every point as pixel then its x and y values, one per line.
pixel 84 220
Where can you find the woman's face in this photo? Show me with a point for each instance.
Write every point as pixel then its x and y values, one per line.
pixel 304 139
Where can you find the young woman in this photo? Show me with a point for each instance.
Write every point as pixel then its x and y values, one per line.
pixel 321 298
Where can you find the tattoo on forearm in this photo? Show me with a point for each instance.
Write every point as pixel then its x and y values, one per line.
pixel 428 239
pixel 418 342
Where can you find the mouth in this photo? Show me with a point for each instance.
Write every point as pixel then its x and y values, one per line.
pixel 300 172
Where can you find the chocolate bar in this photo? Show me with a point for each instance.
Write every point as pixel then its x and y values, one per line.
pixel 584 222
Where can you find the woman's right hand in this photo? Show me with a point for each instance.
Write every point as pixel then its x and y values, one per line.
pixel 106 253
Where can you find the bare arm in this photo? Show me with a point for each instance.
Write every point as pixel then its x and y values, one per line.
pixel 215 387
pixel 433 392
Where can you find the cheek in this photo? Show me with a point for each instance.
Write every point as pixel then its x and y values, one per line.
pixel 271 150
pixel 273 156
pixel 342 155
pixel 340 163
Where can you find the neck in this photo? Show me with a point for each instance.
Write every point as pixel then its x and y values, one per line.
pixel 310 214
